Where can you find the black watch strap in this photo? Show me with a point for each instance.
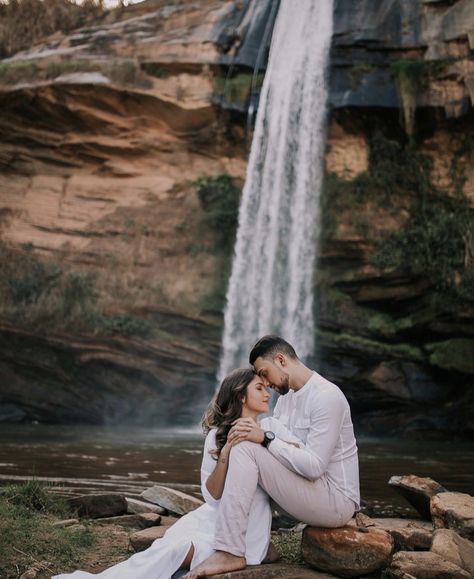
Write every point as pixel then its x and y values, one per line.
pixel 268 436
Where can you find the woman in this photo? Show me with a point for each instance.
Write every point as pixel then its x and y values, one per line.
pixel 190 540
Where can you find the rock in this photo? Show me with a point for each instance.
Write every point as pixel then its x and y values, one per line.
pixel 274 571
pixel 141 540
pixel 449 545
pixel 454 511
pixel 168 521
pixel 347 551
pixel 96 506
pixel 417 491
pixel 142 521
pixel 408 534
pixel 136 507
pixel 65 523
pixel 423 565
pixel 172 500
pixel 78 527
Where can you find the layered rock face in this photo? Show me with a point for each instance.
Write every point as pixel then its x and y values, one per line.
pixel 104 132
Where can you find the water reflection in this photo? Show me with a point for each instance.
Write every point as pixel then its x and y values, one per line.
pixel 173 456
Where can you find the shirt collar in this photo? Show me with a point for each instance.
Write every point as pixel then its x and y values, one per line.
pixel 305 387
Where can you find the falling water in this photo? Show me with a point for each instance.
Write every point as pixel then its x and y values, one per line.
pixel 270 289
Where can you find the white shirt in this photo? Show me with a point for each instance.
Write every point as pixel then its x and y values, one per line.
pixel 319 416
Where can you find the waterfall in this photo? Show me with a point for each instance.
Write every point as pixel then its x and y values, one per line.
pixel 270 288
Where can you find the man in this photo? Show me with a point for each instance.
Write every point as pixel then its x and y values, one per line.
pixel 315 480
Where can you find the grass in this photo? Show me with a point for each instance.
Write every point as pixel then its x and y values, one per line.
pixel 120 71
pixel 38 294
pixel 27 536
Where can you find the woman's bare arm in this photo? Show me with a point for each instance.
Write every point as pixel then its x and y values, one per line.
pixel 216 480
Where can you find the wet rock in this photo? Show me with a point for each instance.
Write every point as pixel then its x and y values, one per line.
pixel 172 500
pixel 347 551
pixel 423 565
pixel 65 523
pixel 136 507
pixel 408 534
pixel 449 545
pixel 141 521
pixel 97 506
pixel 141 540
pixel 454 511
pixel 417 491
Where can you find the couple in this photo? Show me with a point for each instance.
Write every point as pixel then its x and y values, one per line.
pixel 304 458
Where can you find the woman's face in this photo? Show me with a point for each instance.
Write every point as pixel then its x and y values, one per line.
pixel 256 398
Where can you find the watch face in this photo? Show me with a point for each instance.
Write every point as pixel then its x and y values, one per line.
pixel 269 435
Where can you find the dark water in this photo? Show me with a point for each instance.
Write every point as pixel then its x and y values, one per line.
pixel 134 456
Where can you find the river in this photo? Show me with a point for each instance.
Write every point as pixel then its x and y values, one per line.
pixel 127 459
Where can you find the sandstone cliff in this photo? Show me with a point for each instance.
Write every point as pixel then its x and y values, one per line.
pixel 103 134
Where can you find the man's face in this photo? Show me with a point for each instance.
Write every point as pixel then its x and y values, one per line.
pixel 272 375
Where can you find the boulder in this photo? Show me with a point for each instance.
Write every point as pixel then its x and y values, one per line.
pixel 449 545
pixel 171 499
pixel 417 491
pixel 141 540
pixel 142 521
pixel 97 506
pixel 136 507
pixel 347 551
pixel 423 565
pixel 408 534
pixel 454 511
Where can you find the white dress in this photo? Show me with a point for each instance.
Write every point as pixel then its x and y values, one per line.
pixel 165 555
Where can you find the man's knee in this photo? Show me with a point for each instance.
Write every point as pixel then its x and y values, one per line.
pixel 244 448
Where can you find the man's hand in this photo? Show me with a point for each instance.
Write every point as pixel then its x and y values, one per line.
pixel 245 429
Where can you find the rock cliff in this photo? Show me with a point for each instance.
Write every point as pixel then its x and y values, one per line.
pixel 112 279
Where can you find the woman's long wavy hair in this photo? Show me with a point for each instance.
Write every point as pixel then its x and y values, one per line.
pixel 226 405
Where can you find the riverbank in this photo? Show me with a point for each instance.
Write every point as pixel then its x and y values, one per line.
pixel 37 541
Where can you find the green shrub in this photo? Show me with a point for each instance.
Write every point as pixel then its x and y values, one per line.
pixel 124 325
pixel 410 78
pixel 433 242
pixel 16 72
pixel 38 294
pixel 55 68
pixel 33 495
pixel 236 89
pixel 220 198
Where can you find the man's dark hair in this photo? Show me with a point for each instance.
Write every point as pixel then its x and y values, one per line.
pixel 270 346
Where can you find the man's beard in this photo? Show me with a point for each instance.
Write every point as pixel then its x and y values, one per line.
pixel 284 386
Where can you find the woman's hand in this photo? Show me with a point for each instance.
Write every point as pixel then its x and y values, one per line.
pixel 245 429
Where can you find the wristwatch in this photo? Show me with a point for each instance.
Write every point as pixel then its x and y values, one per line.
pixel 268 436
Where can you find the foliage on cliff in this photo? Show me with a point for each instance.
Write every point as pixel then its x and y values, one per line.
pixel 39 294
pixel 24 23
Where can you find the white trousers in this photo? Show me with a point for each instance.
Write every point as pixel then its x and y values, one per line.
pixel 316 502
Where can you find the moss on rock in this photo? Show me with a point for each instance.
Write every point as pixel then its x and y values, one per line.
pixel 454 354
